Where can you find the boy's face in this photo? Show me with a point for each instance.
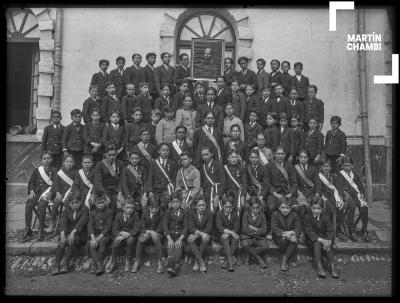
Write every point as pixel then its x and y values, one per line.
pixel 200 90
pixel 249 90
pixel 206 155
pixel 181 134
pixel 154 210
pixel 235 133
pixel 111 89
pixel 77 118
pixel 243 64
pixel 145 137
pixel 166 59
pixel 128 209
pixel 185 61
pixel 253 117
pixel 266 93
pixel 334 125
pixel 228 64
pixel 210 96
pixel 220 83
pixel 269 120
pixel 235 86
pixel 184 87
pixel 201 206
pixel 120 64
pixel 210 120
pixel 274 65
pixel 284 209
pixel 255 209
pixel 111 155
pixel 74 204
pixel 280 155
pixel 312 124
pixel 176 203
pixel 134 159
pixel 151 60
pixel 229 111
pixel 137 60
pixel 283 122
pixel 100 204
pixel 311 92
pixel 293 94
pixel 260 141
pixel 254 159
pixel 56 118
pixel 303 158
pixel 155 118
pixel 95 117
pixel 260 66
pixel 104 66
pixel 233 159
pixel 164 152
pixel 137 116
pixel 279 90
pixel 347 167
pixel 298 69
pixel 93 92
pixel 46 160
pixel 130 90
pixel 326 168
pixel 316 209
pixel 228 207
pixel 285 68
pixel 87 164
pixel 165 91
pixel 187 103
pixel 186 161
pixel 169 115
pixel 144 89
pixel 114 118
pixel 294 122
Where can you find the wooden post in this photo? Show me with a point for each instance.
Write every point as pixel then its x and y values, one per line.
pixel 57 59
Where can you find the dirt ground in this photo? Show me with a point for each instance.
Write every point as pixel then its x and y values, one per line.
pixel 372 279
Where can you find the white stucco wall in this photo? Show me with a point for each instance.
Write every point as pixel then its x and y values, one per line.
pixel 285 34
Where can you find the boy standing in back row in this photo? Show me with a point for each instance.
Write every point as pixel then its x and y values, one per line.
pixel 101 77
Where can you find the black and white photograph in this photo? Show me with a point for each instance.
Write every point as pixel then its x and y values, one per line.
pixel 193 151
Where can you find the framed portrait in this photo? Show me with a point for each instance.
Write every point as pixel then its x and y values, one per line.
pixel 208 58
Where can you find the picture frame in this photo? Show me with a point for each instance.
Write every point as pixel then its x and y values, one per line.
pixel 207 59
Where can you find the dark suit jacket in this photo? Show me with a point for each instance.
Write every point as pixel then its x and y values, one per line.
pixel 100 80
pixel 178 99
pixel 296 109
pixel 281 106
pixel 314 109
pixel 280 223
pixel 239 105
pixel 133 134
pixel 278 182
pixel 59 186
pixel 263 79
pixel 51 140
pixel 132 225
pixel 261 175
pixel 163 76
pixel 161 102
pixel 151 149
pixel 314 143
pixel 315 229
pixel 68 223
pixel 301 87
pixel 335 144
pixel 286 140
pixel 271 137
pixel 128 103
pixel 118 81
pixel 104 182
pixel 263 106
pixel 251 103
pixel 93 133
pixel 88 106
pixel 230 76
pixel 109 104
pixel 260 223
pixel 145 102
pixel 327 192
pixel 197 100
pixel 129 184
pixel 100 222
pixel 72 137
pixel 312 174
pixel 180 74
pixel 37 184
pixel 242 149
pixel 155 223
pixel 250 133
pixel 298 139
pixel 175 225
pixel 200 139
pixel 147 75
pixel 132 75
pixel 276 78
pixel 156 181
pixel 216 172
pixel 173 154
pixel 224 97
pixel 206 224
pixel 342 185
pixel 222 222
pixel 112 136
pixel 239 173
pixel 79 188
pixel 286 79
pixel 249 77
pixel 216 109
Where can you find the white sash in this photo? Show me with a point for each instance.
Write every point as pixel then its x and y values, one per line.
pixel 67 180
pixel 331 187
pixel 214 188
pixel 189 192
pixel 170 185
pixel 303 176
pixel 88 184
pixel 213 140
pixel 177 148
pixel 238 186
pixel 263 158
pixel 144 151
pixel 46 179
pixel 354 185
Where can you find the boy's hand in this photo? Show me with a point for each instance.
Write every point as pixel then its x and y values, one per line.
pixel 71 238
pixel 118 239
pixel 235 235
pixel 346 196
pixel 317 159
pixel 144 200
pixel 124 234
pixel 205 236
pixel 290 159
pixel 93 243
pixel 293 239
pixel 31 195
pixel 225 236
pixel 62 240
pixel 170 243
pixel 178 243
pixel 58 197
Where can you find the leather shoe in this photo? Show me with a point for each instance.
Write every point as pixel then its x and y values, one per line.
pixel 28 234
pixel 320 270
pixel 334 272
pixel 160 267
pixel 284 266
pixel 136 266
pixel 56 270
pixel 261 262
pixel 230 264
pixel 40 236
pixel 203 267
pixel 127 265
pixel 93 268
pixel 111 268
pixel 100 269
pixel 352 237
pixel 247 260
pixel 366 236
pixel 195 266
pixel 64 268
pixel 171 272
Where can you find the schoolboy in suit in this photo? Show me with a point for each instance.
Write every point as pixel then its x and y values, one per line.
pixel 252 128
pixel 286 78
pixel 101 78
pixel 84 178
pixel 109 103
pixel 246 76
pixel 274 76
pixel 164 74
pixel 147 74
pixel 178 146
pixel 264 105
pixel 335 143
pixel 117 77
pixel 262 75
pixel 114 134
pixel 210 105
pixel 314 141
pixel 128 104
pixel 72 137
pixel 280 103
pixel 295 107
pixel 51 139
pixel 92 102
pixel 133 73
pixel 224 94
pixel 93 135
pixel 144 101
pixel 182 72
pixel 313 108
pixel 146 150
pixel 229 72
pixel 300 82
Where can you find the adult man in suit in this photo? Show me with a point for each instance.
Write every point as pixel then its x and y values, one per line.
pixel 224 94
pixel 246 76
pixel 164 74
pixel 147 74
pixel 132 73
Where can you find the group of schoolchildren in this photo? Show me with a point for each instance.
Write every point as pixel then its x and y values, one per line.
pixel 165 160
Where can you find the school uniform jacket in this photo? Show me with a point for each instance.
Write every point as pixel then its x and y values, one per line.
pixel 280 105
pixel 230 76
pixel 231 222
pixel 260 173
pixel 281 223
pixel 155 223
pixel 242 149
pixel 127 106
pixel 314 142
pixel 88 105
pixel 224 96
pixel 100 222
pixel 161 102
pixel 315 229
pixel 298 139
pixel 133 134
pixel 156 181
pixel 215 171
pixel 178 99
pixel 249 77
pixel 311 173
pixel 151 149
pixel 114 136
pixel 285 79
pixel 131 225
pixel 239 105
pixel 342 185
pixel 180 74
pixel 59 185
pixel 79 188
pixel 275 77
pixel 164 76
pixel 206 224
pixel 200 139
pixel 152 130
pixel 301 86
pixel 327 192
pixel 313 109
pixel 147 75
pixel 251 102
pixel 132 75
pixel 262 79
pixel 296 107
pixel 37 184
pixel 51 140
pixel 335 143
pixel 271 137
pixel 278 182
pixel 251 132
pixel 118 80
pixel 145 102
pixel 240 175
pixel 100 80
pixel 216 109
pixel 130 184
pixel 173 154
pixel 175 225
pixel 93 132
pixel 286 140
pixel 68 223
pixel 264 106
pixel 260 223
pixel 197 100
pixel 109 104
pixel 72 137
pixel 104 182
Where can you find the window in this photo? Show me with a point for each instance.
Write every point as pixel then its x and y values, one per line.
pixel 21 26
pixel 205 25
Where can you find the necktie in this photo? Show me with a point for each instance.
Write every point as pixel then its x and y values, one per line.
pixel 209 129
pixel 209 105
pixel 200 218
pixel 292 103
pixel 180 144
pixel 74 215
pixel 163 164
